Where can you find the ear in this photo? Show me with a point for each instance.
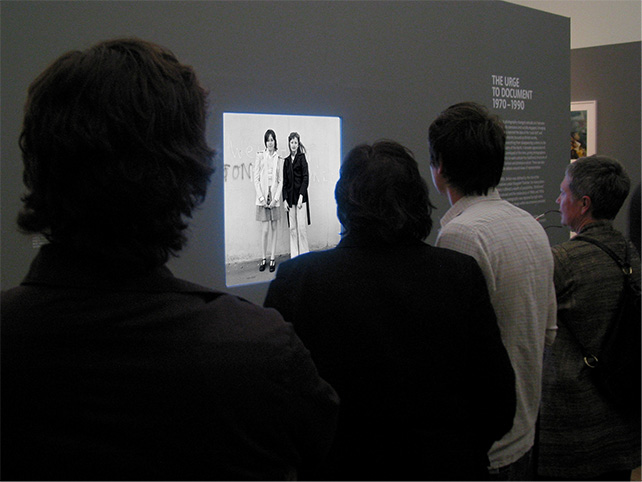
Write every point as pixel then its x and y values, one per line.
pixel 586 205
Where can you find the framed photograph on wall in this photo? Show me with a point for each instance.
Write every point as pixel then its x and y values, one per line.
pixel 583 129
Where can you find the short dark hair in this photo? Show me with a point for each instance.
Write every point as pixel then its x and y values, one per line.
pixel 114 151
pixel 381 194
pixel 470 142
pixel 604 180
pixel 267 135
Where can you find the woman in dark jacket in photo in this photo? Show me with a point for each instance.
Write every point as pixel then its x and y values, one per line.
pixel 295 195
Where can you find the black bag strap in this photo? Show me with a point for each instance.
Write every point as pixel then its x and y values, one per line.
pixel 590 359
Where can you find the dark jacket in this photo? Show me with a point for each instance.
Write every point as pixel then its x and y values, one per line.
pixel 408 337
pixel 296 179
pixel 574 413
pixel 145 376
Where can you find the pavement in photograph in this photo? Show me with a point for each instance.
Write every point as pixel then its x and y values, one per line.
pixel 247 272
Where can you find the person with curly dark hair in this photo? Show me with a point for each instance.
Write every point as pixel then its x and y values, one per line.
pixel 114 152
pixel 398 327
pixel 112 368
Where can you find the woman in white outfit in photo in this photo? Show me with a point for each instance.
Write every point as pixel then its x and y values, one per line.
pixel 268 181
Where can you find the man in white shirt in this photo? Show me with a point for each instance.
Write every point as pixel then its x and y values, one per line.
pixel 467 146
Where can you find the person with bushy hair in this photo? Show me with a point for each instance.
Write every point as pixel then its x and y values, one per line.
pixel 398 327
pixel 112 368
pixel 589 283
pixel 467 146
pixel 114 151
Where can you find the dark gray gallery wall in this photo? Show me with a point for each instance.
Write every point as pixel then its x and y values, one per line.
pixel 610 75
pixel 386 68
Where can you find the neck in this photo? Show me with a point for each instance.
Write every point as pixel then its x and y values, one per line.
pixel 453 194
pixel 581 224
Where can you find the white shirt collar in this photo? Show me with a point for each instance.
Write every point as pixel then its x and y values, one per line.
pixel 467 201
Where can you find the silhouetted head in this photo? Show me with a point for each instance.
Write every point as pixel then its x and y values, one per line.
pixel 114 150
pixel 380 194
pixel 469 143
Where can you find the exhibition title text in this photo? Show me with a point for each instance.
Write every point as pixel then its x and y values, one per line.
pixel 508 94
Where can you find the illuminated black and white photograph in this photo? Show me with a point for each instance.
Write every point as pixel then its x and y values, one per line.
pixel 279 175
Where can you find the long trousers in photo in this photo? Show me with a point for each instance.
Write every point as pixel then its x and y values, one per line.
pixel 298 230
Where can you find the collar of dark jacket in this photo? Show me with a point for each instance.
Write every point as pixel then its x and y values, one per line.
pixel 363 240
pixel 601 225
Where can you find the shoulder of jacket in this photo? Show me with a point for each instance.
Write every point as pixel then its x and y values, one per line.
pixel 574 251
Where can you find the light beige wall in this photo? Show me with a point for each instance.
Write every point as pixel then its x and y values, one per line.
pixel 595 22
